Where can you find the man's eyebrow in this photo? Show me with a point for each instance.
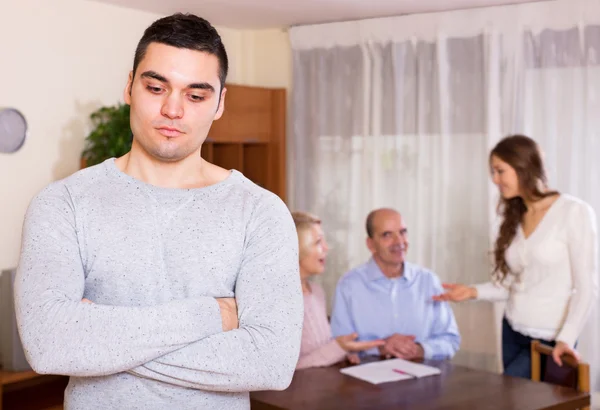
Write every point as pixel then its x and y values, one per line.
pixel 202 86
pixel 199 86
pixel 155 75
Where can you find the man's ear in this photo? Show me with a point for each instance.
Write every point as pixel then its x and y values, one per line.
pixel 370 244
pixel 127 90
pixel 221 106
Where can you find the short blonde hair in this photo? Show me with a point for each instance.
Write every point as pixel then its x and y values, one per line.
pixel 304 221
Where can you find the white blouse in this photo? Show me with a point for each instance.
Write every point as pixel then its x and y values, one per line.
pixel 555 281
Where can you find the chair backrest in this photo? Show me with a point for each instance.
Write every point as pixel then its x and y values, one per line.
pixel 572 374
pixel 12 356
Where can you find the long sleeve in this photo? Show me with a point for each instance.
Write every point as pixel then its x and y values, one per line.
pixel 318 348
pixel 62 335
pixel 492 292
pixel 261 354
pixel 341 320
pixel 583 256
pixel 325 355
pixel 444 339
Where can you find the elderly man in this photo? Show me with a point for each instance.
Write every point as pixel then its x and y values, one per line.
pixel 389 298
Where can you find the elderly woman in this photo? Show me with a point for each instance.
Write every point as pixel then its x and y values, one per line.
pixel 318 347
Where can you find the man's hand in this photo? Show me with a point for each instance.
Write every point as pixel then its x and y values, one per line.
pixel 402 347
pixel 229 314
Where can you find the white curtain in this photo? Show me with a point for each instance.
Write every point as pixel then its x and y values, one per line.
pixel 402 112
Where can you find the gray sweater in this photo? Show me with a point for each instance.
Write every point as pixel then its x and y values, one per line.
pixel 153 260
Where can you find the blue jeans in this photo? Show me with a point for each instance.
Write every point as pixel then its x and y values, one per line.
pixel 516 352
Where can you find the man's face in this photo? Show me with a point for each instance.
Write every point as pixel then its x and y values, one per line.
pixel 174 99
pixel 390 241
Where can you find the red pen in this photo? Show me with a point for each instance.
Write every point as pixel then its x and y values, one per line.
pixel 402 372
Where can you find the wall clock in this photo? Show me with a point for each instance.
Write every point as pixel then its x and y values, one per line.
pixel 13 130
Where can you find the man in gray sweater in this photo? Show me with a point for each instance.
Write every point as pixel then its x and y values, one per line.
pixel 158 280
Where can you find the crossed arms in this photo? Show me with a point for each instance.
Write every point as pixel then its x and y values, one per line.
pixel 182 342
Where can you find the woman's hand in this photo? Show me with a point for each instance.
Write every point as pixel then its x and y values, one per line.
pixel 562 348
pixel 353 358
pixel 350 344
pixel 456 293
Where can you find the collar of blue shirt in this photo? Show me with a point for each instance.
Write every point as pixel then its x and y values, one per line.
pixel 374 272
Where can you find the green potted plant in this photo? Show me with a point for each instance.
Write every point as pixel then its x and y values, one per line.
pixel 111 136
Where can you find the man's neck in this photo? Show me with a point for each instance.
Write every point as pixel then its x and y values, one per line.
pixel 187 173
pixel 391 271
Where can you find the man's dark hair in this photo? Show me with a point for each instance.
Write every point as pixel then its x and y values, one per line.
pixel 369 224
pixel 184 31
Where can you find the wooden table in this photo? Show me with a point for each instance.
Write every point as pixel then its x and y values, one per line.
pixel 47 389
pixel 7 378
pixel 456 388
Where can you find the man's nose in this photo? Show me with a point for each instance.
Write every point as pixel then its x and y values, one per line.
pixel 172 107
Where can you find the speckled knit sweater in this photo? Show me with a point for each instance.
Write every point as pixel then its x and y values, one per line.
pixel 152 260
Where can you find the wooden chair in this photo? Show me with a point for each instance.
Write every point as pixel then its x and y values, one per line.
pixel 572 374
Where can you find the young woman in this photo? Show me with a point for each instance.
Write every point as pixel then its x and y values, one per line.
pixel 318 348
pixel 545 259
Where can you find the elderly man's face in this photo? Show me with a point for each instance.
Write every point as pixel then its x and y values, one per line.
pixel 390 241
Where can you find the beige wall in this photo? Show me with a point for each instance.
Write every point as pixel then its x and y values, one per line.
pixel 260 57
pixel 62 59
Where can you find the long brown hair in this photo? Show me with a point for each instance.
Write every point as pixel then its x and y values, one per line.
pixel 523 155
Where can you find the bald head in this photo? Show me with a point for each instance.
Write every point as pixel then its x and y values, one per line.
pixel 376 216
pixel 387 240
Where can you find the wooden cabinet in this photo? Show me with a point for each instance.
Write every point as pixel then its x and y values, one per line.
pixel 247 117
pixel 250 136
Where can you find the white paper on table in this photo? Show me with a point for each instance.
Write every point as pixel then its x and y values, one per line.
pixel 390 371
